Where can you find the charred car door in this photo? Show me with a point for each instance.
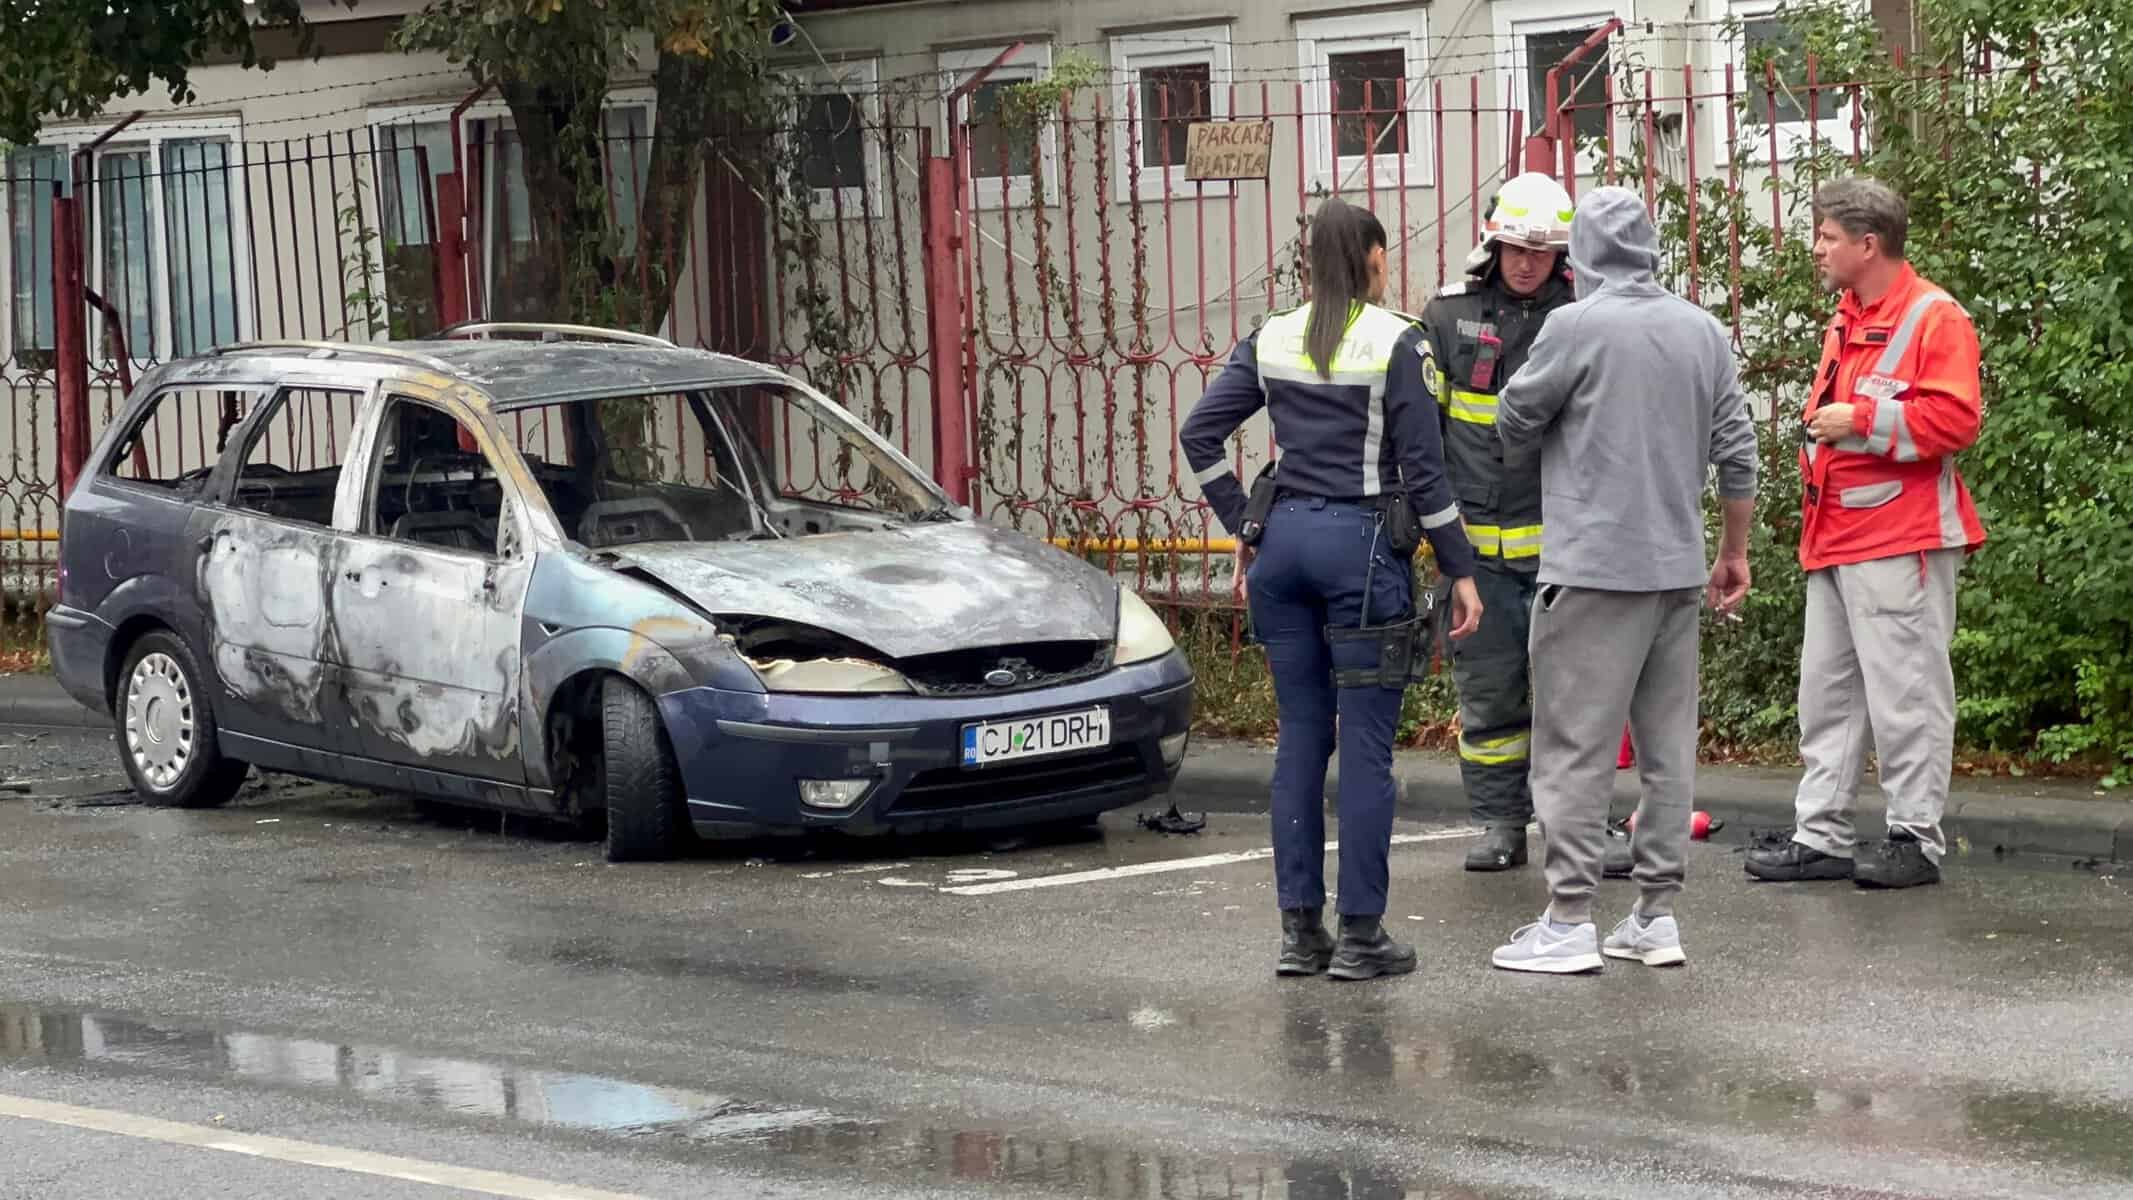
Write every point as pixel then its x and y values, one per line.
pixel 267 547
pixel 427 598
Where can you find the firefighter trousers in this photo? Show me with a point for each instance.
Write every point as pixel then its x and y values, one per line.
pixel 1314 564
pixel 1493 675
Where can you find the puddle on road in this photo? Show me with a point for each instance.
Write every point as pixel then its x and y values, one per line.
pixel 800 1137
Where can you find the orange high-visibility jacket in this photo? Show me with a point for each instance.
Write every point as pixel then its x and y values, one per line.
pixel 1909 363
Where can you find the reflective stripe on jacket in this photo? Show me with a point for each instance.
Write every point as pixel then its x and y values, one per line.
pixel 1502 505
pixel 1367 431
pixel 1909 366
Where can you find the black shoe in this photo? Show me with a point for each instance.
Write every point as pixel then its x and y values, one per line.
pixel 1790 862
pixel 1620 861
pixel 1501 848
pixel 1898 862
pixel 1366 952
pixel 1306 947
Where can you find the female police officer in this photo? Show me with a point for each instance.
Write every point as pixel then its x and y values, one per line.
pixel 1330 585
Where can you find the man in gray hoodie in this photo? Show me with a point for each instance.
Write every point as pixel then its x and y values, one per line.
pixel 1630 394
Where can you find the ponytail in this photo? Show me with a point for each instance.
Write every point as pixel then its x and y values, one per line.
pixel 1342 237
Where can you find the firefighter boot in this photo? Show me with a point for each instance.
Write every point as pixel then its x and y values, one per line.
pixel 1306 947
pixel 1366 951
pixel 1502 847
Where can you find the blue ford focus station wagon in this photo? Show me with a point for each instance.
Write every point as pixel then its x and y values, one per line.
pixel 591 576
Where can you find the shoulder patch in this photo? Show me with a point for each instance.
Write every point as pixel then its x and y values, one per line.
pixel 1432 378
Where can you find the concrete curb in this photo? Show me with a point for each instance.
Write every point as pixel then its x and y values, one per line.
pixel 39 700
pixel 1235 777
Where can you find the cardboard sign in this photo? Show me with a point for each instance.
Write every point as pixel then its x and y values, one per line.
pixel 1229 150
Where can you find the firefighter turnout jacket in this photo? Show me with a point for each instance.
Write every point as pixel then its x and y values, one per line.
pixel 1908 363
pixel 1478 334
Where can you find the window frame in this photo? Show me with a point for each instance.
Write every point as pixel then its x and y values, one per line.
pixel 1318 40
pixel 255 426
pixel 502 459
pixel 1516 21
pixel 860 77
pixel 1035 62
pixel 149 135
pixel 102 471
pixel 1135 52
pixel 1794 138
pixel 489 108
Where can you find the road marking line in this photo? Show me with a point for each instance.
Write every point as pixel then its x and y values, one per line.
pixel 1134 870
pixel 361 1162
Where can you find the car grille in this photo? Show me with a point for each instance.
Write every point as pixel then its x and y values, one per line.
pixel 1035 665
pixel 955 787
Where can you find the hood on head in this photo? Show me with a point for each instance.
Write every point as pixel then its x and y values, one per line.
pixel 1612 240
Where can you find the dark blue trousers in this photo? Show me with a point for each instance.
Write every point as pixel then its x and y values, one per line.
pixel 1311 573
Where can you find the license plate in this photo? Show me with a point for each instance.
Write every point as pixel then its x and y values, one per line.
pixel 989 742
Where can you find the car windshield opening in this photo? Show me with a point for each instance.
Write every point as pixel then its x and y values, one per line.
pixel 737 463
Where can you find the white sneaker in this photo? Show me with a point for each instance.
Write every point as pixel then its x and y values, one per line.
pixel 1535 947
pixel 1655 945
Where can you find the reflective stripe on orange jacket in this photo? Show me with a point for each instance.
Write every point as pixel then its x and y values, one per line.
pixel 1908 364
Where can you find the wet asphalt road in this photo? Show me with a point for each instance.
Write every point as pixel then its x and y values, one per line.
pixel 362 978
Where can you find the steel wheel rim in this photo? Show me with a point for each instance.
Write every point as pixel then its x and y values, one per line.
pixel 161 723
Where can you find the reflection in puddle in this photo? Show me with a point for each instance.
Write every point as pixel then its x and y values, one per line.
pixel 802 1138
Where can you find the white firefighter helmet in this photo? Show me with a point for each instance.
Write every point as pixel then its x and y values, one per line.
pixel 1531 210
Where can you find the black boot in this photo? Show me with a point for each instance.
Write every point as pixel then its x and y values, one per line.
pixel 1502 847
pixel 1306 947
pixel 1621 861
pixel 1788 861
pixel 1366 952
pixel 1898 862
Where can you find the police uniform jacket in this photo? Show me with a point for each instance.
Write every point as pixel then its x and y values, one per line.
pixel 1361 435
pixel 1502 505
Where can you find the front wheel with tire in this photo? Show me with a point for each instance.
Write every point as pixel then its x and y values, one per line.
pixel 647 818
pixel 167 734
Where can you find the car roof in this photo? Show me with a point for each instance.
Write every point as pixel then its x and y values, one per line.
pixel 519 373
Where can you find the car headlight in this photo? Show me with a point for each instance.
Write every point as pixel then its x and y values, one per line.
pixel 1141 634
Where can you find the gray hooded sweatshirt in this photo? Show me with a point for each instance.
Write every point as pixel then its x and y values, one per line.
pixel 1630 393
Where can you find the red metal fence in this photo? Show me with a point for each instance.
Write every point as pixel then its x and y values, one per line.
pixel 1028 306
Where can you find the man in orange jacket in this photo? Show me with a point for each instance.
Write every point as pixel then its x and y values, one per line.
pixel 1887 522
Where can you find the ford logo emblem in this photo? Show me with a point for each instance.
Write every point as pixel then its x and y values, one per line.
pixel 1000 677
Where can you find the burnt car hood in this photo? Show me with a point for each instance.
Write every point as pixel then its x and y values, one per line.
pixel 905 592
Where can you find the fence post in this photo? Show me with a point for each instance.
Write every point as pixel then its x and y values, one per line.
pixel 942 237
pixel 451 252
pixel 70 341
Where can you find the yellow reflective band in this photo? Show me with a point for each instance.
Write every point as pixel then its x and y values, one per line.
pixel 1522 541
pixel 1364 353
pixel 1473 407
pixel 1495 541
pixel 1495 752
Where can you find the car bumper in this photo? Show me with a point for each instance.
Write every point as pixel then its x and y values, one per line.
pixel 79 643
pixel 743 756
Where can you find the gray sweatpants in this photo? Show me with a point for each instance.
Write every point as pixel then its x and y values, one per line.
pixel 1600 658
pixel 1874 674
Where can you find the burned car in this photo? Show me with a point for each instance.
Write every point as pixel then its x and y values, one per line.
pixel 590 575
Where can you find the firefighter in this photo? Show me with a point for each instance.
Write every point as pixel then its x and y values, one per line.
pixel 1334 528
pixel 1479 332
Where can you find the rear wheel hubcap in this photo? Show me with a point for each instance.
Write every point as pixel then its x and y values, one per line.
pixel 160 720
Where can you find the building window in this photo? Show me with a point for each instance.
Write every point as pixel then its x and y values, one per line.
pixel 1765 34
pixel 1541 34
pixel 1166 80
pixel 1007 159
pixel 165 211
pixel 1583 86
pixel 508 285
pixel 1366 99
pixel 835 118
